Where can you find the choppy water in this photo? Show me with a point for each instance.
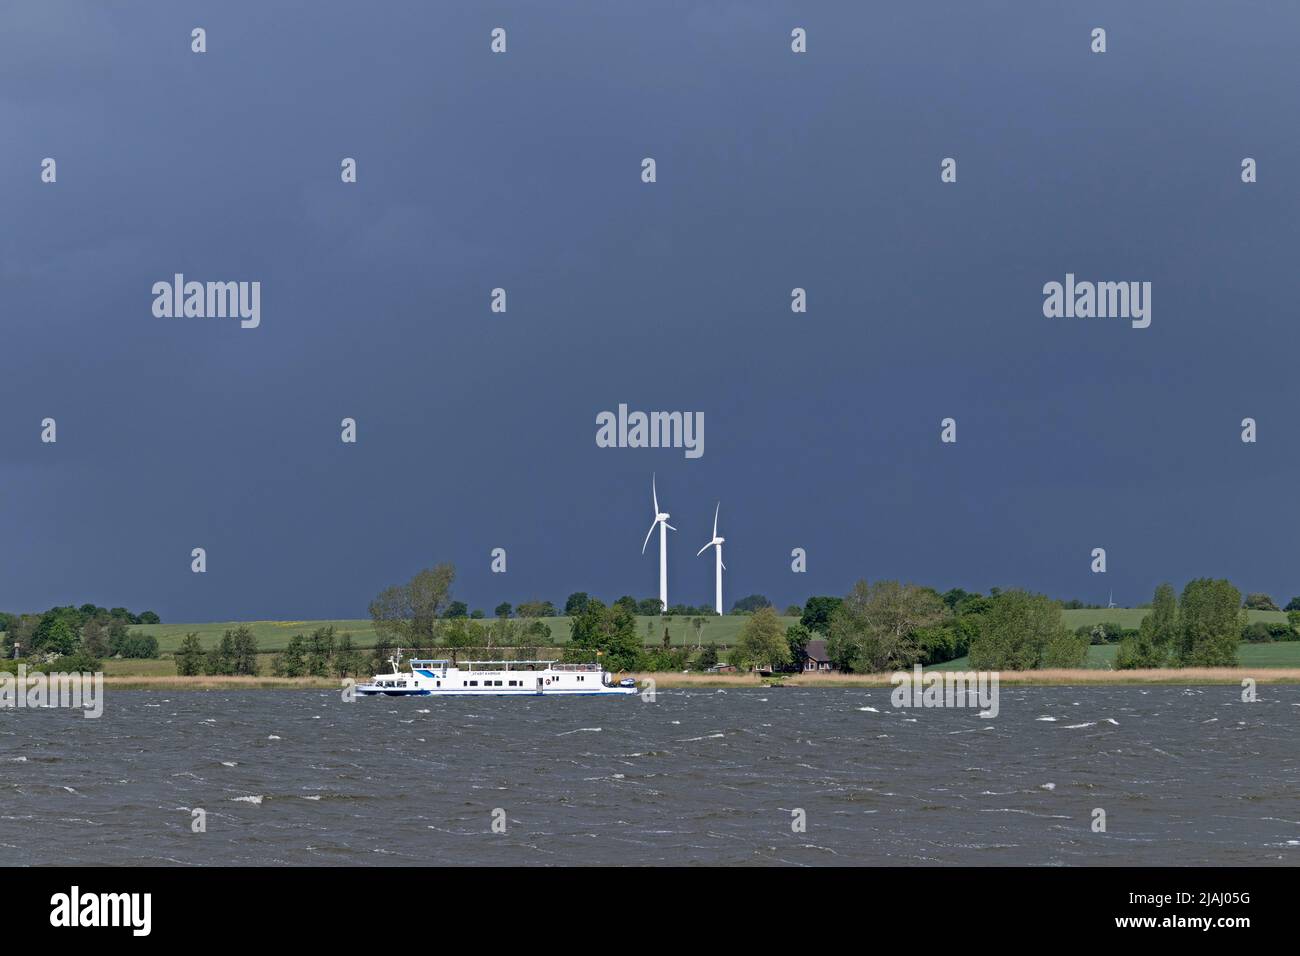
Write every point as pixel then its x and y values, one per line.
pixel 1185 775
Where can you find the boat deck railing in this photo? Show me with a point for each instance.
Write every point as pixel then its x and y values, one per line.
pixel 528 665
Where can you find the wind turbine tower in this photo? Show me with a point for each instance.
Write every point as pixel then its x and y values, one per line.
pixel 661 519
pixel 716 543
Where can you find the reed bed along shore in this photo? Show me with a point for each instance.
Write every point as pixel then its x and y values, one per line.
pixel 1061 676
pixel 1187 675
pixel 176 682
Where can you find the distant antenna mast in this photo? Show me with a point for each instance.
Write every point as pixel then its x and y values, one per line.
pixel 396 660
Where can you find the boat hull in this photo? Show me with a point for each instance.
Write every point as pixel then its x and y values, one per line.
pixel 441 678
pixel 368 691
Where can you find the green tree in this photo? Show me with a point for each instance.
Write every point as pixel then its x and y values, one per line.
pixel 347 659
pixel 796 638
pixel 94 638
pixel 461 634
pixel 221 659
pixel 1065 649
pixel 537 633
pixel 761 641
pixel 575 603
pixel 58 637
pixel 1211 621
pixel 320 652
pixel 606 632
pixel 190 657
pixel 243 658
pixel 876 627
pixel 503 632
pixel 698 623
pixel 117 632
pixel 938 643
pixel 1259 601
pixel 56 633
pixel 1156 637
pixel 708 656
pixel 292 661
pixel 135 645
pixel 536 609
pixel 1019 631
pixel 665 659
pixel 78 661
pixel 1257 633
pixel 409 613
pixel 817 613
pixel 504 609
pixel 954 596
pixel 750 604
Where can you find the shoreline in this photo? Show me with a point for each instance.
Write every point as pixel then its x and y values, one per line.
pixel 1047 677
pixel 663 680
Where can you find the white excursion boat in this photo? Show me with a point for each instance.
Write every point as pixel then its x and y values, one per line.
pixel 430 678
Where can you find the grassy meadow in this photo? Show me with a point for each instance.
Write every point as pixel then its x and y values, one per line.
pixel 1131 617
pixel 1102 656
pixel 273 636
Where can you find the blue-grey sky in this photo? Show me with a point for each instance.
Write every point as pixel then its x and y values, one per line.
pixel 522 170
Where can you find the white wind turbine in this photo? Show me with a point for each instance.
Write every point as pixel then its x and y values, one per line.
pixel 1111 602
pixel 716 543
pixel 661 519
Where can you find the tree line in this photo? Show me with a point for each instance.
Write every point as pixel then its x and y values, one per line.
pixel 78 638
pixel 888 626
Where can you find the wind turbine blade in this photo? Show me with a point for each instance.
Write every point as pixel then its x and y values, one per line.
pixel 724 567
pixel 647 535
pixel 669 527
pixel 715 519
pixel 703 549
pixel 654 492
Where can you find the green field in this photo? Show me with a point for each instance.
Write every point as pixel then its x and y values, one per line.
pixel 1131 617
pixel 1102 656
pixel 275 635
